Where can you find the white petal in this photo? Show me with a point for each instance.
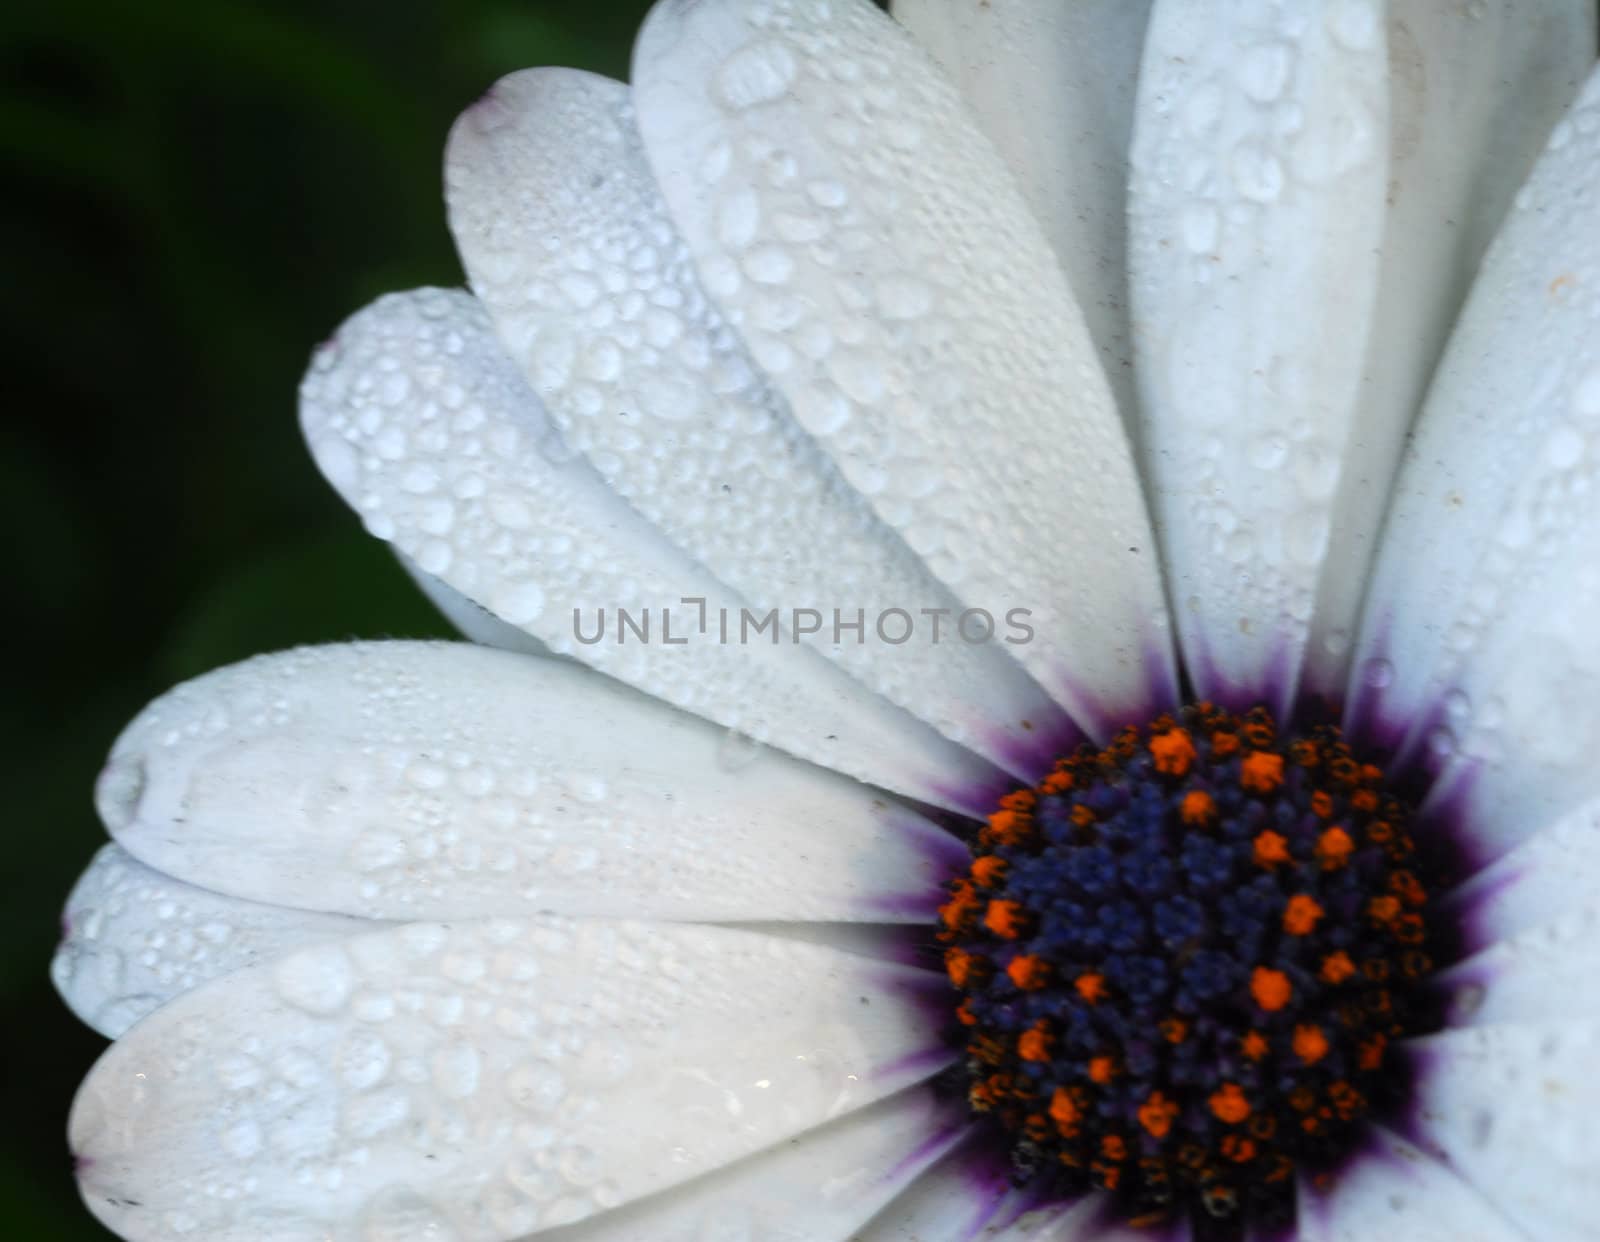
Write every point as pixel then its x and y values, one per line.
pixel 1474 91
pixel 1544 974
pixel 819 1188
pixel 132 939
pixel 1312 191
pixel 1052 85
pixel 1550 873
pixel 962 1199
pixel 1255 220
pixel 945 1204
pixel 919 327
pixel 1394 1190
pixel 427 429
pixel 478 1081
pixel 1515 1110
pixel 1480 630
pixel 611 329
pixel 472 619
pixel 443 780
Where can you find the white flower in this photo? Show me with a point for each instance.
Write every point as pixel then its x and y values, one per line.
pixel 413 941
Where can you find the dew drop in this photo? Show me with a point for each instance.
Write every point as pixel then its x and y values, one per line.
pixel 755 74
pixel 1257 172
pixel 1264 71
pixel 317 980
pixel 1377 674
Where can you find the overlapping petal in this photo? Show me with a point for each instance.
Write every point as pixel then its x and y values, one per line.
pixel 133 938
pixel 1474 91
pixel 1312 188
pixel 922 333
pixel 442 780
pixel 612 331
pixel 1395 1190
pixel 480 1080
pixel 822 1187
pixel 1480 625
pixel 427 429
pixel 1515 1111
pixel 1549 874
pixel 471 619
pixel 1052 85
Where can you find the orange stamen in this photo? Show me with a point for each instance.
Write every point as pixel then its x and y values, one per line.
pixel 1034 1044
pixel 1091 987
pixel 988 869
pixel 1057 782
pixel 1336 967
pixel 1261 771
pixel 1228 1104
pixel 1102 1069
pixel 1198 807
pixel 1156 1114
pixel 1064 1112
pixel 1301 915
pixel 1254 1046
pixel 1007 827
pixel 1383 909
pixel 1271 848
pixel 1334 848
pixel 963 902
pixel 1003 918
pixel 1173 752
pixel 1020 800
pixel 1408 888
pixel 1027 972
pixel 1237 1148
pixel 1310 1044
pixel 1271 988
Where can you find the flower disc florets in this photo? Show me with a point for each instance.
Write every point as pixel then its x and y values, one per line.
pixel 1184 961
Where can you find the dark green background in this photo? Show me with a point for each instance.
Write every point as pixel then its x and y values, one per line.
pixel 195 193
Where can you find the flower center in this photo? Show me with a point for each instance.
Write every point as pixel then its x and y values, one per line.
pixel 1183 962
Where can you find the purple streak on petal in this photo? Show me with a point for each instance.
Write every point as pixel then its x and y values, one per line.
pixel 1462 996
pixel 1445 821
pixel 931 993
pixel 946 853
pixel 976 799
pixel 1406 1119
pixel 1046 741
pixel 1275 687
pixel 1369 723
pixel 916 1066
pixel 951 1129
pixel 1469 904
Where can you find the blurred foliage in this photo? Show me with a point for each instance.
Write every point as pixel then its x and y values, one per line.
pixel 195 193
